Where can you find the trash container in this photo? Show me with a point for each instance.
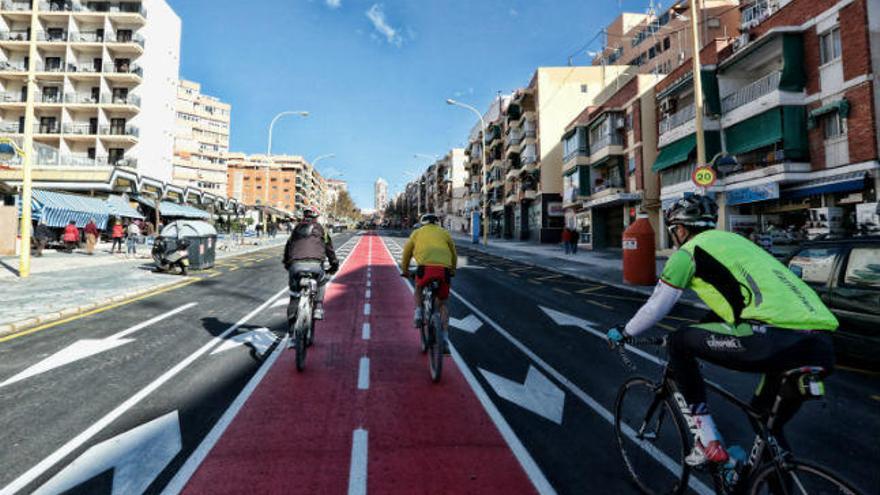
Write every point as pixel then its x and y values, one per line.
pixel 203 241
pixel 639 256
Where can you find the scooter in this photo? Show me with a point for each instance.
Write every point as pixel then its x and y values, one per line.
pixel 169 254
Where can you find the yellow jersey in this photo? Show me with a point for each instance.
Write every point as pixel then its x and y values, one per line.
pixel 430 245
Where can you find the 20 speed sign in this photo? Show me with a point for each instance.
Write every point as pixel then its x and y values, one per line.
pixel 704 176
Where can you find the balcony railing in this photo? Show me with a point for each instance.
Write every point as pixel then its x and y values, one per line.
pixel 515 136
pixel 90 6
pixel 680 117
pixel 52 36
pixel 605 141
pixel 12 97
pixel 49 97
pixel 112 99
pixel 17 35
pixel 19 6
pixel 81 129
pixel 114 130
pixel 600 186
pixel 11 128
pixel 575 147
pixel 756 13
pixel 530 130
pixel 13 66
pixel 82 98
pixel 89 68
pixel 53 128
pixel 51 67
pixel 751 92
pixel 124 69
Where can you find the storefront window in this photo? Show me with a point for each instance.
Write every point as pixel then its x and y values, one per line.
pixel 863 268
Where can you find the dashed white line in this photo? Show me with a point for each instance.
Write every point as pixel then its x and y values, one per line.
pixel 369 283
pixel 368 293
pixel 364 374
pixel 365 331
pixel 357 473
pixel 367 309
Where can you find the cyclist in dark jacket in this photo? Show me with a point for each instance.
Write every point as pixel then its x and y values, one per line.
pixel 307 248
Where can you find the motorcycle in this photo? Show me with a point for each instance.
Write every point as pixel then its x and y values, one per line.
pixel 169 254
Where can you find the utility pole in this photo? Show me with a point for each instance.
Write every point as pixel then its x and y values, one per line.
pixel 24 266
pixel 698 83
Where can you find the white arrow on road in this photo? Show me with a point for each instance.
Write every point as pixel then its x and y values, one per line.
pixel 88 347
pixel 136 457
pixel 469 324
pixel 260 339
pixel 573 321
pixel 538 394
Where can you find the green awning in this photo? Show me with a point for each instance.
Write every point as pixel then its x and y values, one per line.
pixel 757 132
pixel 709 79
pixel 675 153
pixel 793 77
pixel 840 106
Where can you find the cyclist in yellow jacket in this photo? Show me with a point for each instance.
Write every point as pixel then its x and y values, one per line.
pixel 434 252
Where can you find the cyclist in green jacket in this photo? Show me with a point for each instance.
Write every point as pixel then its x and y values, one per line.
pixel 764 318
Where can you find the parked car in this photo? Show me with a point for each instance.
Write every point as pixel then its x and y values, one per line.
pixel 846 275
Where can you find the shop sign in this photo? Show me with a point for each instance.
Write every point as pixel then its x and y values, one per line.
pixel 704 176
pixel 753 194
pixel 555 210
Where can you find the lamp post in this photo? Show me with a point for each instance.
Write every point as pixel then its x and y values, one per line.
pixel 321 157
pixel 485 193
pixel 698 85
pixel 301 113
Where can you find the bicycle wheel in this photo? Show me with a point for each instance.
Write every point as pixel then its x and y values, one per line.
pixel 799 478
pixel 423 329
pixel 300 334
pixel 651 437
pixel 310 337
pixel 435 351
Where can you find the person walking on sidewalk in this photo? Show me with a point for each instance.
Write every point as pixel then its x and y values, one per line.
pixel 92 234
pixel 575 239
pixel 566 240
pixel 133 234
pixel 42 236
pixel 71 236
pixel 117 233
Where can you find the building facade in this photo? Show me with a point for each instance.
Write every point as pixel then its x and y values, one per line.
pixel 106 74
pixel 201 139
pixel 380 191
pixel 334 188
pixel 286 183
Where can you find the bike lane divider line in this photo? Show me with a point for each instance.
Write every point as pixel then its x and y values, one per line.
pixel 357 473
pixel 48 462
pixel 294 433
pixel 365 332
pixel 424 434
pixel 364 373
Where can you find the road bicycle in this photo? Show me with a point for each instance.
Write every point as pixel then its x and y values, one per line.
pixel 431 333
pixel 302 332
pixel 652 422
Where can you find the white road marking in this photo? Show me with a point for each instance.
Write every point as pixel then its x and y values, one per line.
pixel 279 303
pixel 365 331
pixel 183 475
pixel 44 465
pixel 537 394
pixel 136 458
pixel 469 324
pixel 369 283
pixel 357 473
pixel 367 309
pixel 89 347
pixel 260 339
pixel 364 374
pixel 368 293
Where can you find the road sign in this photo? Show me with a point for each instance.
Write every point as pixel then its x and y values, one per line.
pixel 704 176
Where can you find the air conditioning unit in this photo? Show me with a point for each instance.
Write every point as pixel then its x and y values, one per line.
pixel 619 123
pixel 741 41
pixel 667 106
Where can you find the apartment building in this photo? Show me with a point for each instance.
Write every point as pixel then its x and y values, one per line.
pixel 106 75
pixel 659 41
pixel 524 149
pixel 607 155
pixel 334 188
pixel 284 183
pixel 201 139
pixel 380 190
pixel 794 100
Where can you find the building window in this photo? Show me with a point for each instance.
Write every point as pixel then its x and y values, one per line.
pixel 666 43
pixel 584 88
pixel 829 46
pixel 834 126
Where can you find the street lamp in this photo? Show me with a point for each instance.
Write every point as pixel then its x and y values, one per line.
pixel 301 113
pixel 485 193
pixel 322 157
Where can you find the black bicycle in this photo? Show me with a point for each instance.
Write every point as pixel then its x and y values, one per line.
pixel 431 329
pixel 302 331
pixel 652 422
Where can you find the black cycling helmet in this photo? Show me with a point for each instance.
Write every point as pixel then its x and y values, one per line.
pixel 429 218
pixel 693 211
pixel 309 212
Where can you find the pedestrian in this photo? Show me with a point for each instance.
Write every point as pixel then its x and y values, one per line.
pixel 133 234
pixel 71 236
pixel 42 236
pixel 117 233
pixel 566 240
pixel 92 234
pixel 575 240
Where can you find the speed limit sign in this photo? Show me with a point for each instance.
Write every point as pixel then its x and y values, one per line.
pixel 704 176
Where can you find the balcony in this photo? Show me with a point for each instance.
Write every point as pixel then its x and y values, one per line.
pixel 12 97
pixel 515 136
pixel 606 141
pixel 84 129
pixel 10 128
pixel 54 67
pixel 81 99
pixel 88 68
pixel 118 130
pixel 6 66
pixel 751 92
pixel 47 128
pixel 17 35
pixel 756 13
pixel 133 69
pixel 52 97
pixel 111 99
pixel 530 130
pixel 678 118
pixel 17 6
pixel 52 36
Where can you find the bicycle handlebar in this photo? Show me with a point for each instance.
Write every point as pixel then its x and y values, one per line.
pixel 620 347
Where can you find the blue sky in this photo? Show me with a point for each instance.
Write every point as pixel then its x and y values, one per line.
pixel 374 76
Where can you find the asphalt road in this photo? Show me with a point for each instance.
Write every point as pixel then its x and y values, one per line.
pixel 160 372
pixel 67 389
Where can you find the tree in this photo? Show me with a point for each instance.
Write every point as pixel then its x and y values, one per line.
pixel 344 207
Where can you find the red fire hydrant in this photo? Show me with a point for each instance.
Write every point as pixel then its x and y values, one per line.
pixel 639 256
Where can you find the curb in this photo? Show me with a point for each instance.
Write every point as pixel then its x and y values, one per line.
pixel 624 287
pixel 7 329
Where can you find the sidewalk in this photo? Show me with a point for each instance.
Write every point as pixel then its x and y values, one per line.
pixel 63 285
pixel 604 267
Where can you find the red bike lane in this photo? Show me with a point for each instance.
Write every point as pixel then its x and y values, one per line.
pixel 364 416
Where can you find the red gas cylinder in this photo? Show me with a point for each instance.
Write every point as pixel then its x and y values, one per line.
pixel 639 257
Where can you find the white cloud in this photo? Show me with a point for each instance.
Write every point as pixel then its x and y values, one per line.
pixel 376 15
pixel 333 4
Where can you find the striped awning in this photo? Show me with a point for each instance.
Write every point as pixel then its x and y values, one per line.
pixel 58 209
pixel 174 210
pixel 120 207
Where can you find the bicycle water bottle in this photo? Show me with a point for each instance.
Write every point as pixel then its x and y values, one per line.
pixel 737 457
